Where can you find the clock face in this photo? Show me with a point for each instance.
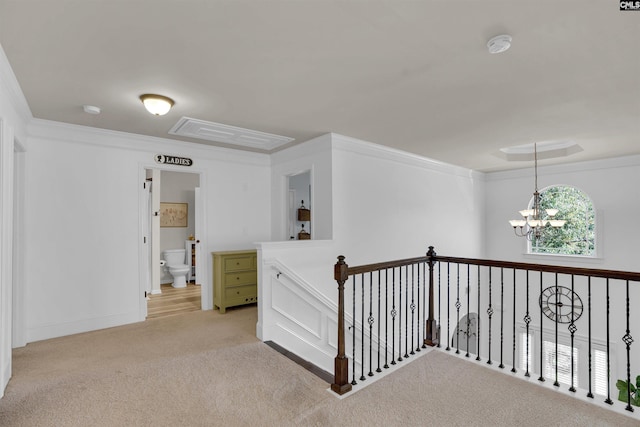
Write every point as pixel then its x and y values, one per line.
pixel 561 304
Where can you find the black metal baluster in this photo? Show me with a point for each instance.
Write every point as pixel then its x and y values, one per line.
pixel 468 303
pixel 424 302
pixel 370 320
pixel 379 318
pixel 501 366
pixel 589 394
pixel 413 308
pixel 513 357
pixel 572 330
pixel 400 317
pixel 386 317
pixel 556 382
pixel 458 305
pixel 627 339
pixel 439 322
pixel 448 307
pixel 406 311
pixel 541 378
pixel 608 399
pixel 362 377
pixel 490 313
pixel 527 320
pixel 353 330
pixel 478 319
pixel 420 322
pixel 393 317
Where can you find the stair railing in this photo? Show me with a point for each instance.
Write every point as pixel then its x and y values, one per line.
pixel 531 306
pixel 387 313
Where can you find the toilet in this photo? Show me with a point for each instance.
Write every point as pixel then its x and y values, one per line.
pixel 174 264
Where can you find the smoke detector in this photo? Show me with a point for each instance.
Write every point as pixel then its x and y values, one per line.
pixel 91 109
pixel 499 44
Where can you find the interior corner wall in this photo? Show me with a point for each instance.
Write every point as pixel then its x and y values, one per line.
pixel 388 205
pixel 84 230
pixel 392 205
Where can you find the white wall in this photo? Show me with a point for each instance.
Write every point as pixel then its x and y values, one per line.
pixel 84 229
pixel 386 205
pixel 14 115
pixel 314 156
pixel 390 205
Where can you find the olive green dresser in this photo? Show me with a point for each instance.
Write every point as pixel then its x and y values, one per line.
pixel 235 278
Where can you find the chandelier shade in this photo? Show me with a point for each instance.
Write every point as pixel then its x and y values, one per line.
pixel 535 222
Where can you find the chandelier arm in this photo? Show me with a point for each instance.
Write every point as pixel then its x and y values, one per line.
pixel 535 227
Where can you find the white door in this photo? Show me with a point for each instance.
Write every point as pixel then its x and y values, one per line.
pixel 6 252
pixel 205 289
pixel 146 227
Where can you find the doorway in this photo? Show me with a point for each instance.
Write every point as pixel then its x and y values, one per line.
pixel 166 192
pixel 299 207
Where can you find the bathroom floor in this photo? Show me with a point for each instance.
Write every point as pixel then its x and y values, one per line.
pixel 174 301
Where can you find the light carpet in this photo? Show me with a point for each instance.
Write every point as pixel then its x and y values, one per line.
pixel 208 369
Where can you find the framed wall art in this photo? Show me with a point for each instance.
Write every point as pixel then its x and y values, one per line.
pixel 173 214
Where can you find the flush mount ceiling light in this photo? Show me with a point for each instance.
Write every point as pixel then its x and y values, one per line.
pixel 156 104
pixel 499 44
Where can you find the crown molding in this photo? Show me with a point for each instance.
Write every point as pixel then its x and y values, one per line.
pixel 345 143
pixel 65 132
pixel 311 147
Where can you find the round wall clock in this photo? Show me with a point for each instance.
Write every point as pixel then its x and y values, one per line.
pixel 561 304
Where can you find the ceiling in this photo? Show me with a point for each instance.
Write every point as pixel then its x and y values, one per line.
pixel 414 75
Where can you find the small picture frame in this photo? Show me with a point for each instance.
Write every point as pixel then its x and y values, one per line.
pixel 173 214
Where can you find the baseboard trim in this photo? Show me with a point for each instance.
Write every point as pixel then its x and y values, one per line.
pixel 319 372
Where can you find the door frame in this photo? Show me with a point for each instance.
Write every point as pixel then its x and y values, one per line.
pixel 201 231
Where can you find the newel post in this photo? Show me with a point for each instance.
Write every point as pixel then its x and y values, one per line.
pixel 341 383
pixel 431 327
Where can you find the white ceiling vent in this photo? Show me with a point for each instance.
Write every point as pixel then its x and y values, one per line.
pixel 217 132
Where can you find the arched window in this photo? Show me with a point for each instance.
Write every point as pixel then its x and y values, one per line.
pixel 577 236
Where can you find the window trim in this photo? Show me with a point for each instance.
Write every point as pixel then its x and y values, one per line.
pixel 597 254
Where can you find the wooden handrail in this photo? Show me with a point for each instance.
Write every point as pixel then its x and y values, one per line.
pixel 382 265
pixel 576 271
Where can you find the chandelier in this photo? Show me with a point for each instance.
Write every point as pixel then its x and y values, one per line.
pixel 536 221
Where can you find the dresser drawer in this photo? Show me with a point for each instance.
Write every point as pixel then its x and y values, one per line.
pixel 246 291
pixel 240 278
pixel 239 263
pixel 235 278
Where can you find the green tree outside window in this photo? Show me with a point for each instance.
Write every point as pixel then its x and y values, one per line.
pixel 577 236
